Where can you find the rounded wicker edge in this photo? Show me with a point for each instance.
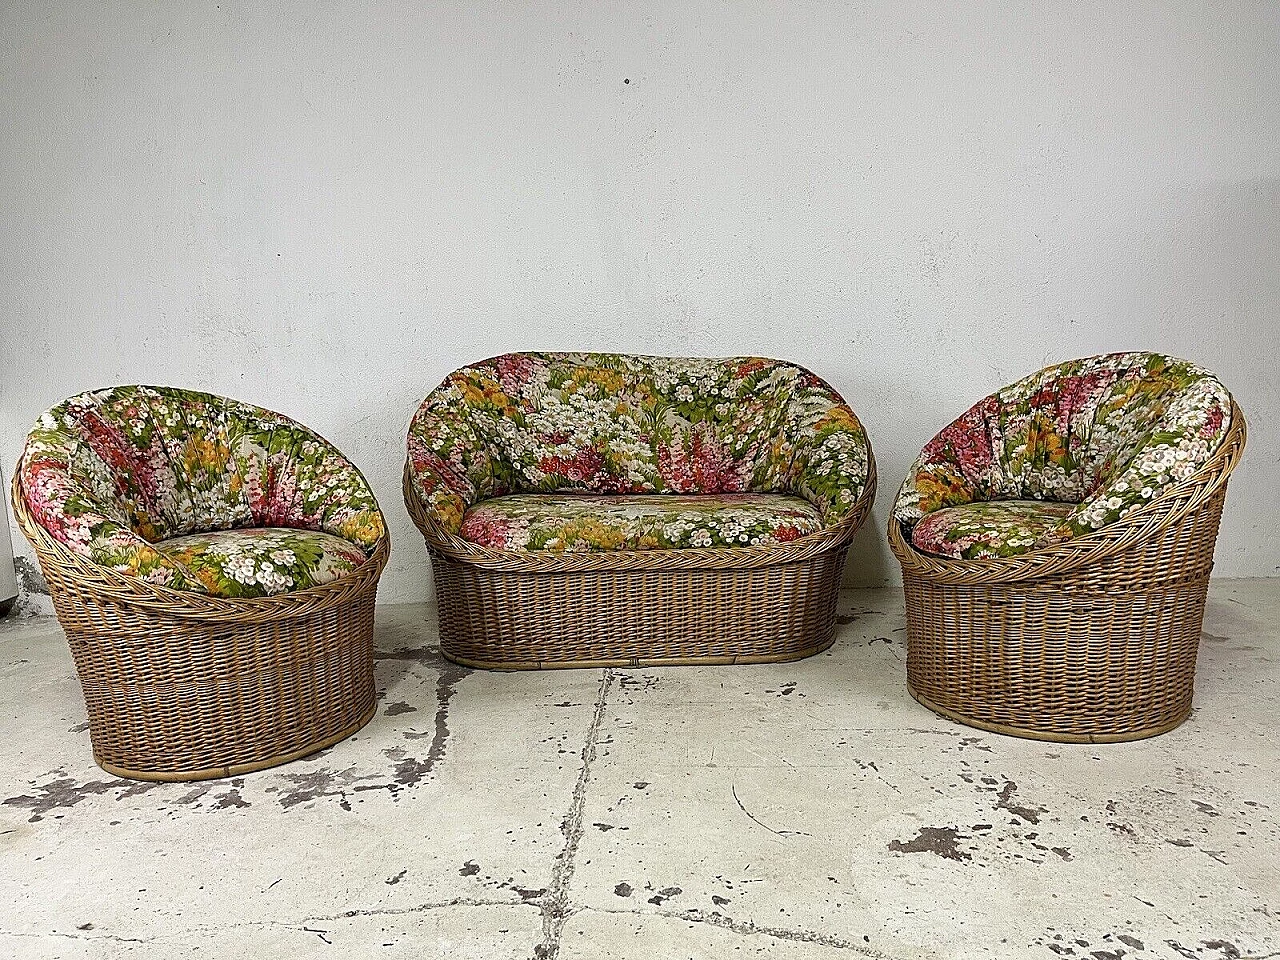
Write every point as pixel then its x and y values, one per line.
pixel 123 588
pixel 235 770
pixel 1089 548
pixel 637 662
pixel 837 536
pixel 1030 733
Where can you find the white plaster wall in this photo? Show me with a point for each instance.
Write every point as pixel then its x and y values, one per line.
pixel 324 207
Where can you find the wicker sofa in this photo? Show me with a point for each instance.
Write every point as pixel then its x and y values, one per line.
pixel 601 509
pixel 1056 542
pixel 214 566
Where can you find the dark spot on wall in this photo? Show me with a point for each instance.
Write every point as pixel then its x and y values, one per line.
pixel 622 890
pixel 1130 941
pixel 469 869
pixel 719 901
pixel 940 841
pixel 396 709
pixel 392 881
pixel 30 576
pixel 665 894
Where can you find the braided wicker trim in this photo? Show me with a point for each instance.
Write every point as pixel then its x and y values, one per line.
pixel 1141 525
pixel 690 558
pixel 103 583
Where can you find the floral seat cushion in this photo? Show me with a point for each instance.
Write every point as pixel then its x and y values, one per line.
pixel 113 473
pixel 1102 435
pixel 1001 528
pixel 611 424
pixel 258 562
pixel 569 522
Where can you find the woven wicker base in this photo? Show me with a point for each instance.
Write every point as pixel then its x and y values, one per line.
pixel 181 698
pixel 242 768
pixel 1093 640
pixel 543 610
pixel 506 620
pixel 183 686
pixel 1030 734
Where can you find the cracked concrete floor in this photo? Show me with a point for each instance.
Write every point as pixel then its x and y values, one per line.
pixel 801 810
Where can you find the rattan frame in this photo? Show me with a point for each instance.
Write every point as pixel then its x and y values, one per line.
pixel 184 686
pixel 544 610
pixel 1090 640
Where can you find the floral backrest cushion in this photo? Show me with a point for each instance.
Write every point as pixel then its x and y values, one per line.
pixel 616 424
pixel 111 472
pixel 1105 434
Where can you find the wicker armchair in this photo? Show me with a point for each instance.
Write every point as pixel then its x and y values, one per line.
pixel 1056 542
pixel 597 509
pixel 214 566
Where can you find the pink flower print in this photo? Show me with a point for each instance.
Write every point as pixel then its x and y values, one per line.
pixel 1213 422
pixel 514 372
pixel 485 529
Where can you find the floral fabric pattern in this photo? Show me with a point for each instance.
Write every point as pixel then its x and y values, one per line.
pixel 977 531
pixel 613 424
pixel 113 473
pixel 1102 434
pixel 262 562
pixel 569 522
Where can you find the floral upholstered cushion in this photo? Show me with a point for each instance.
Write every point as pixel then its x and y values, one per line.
pixel 1000 528
pixel 112 473
pixel 1104 435
pixel 614 424
pixel 263 561
pixel 577 522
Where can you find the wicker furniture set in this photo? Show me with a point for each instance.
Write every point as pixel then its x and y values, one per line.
pixel 214 565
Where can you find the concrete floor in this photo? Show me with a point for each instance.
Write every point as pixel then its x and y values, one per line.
pixel 800 810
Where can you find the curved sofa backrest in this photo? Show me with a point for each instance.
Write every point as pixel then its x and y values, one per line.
pixel 161 462
pixel 1103 433
pixel 614 424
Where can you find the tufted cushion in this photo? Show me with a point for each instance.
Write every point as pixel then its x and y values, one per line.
pixel 1103 435
pixel 1000 528
pixel 261 561
pixel 576 522
pixel 116 473
pixel 613 424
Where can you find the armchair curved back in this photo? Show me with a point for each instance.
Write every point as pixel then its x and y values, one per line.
pixel 110 472
pixel 1106 434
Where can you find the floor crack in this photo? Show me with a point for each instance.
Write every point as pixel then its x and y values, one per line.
pixel 747 928
pixel 555 904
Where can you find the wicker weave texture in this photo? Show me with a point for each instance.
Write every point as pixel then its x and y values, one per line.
pixel 182 686
pixel 534 610
pixel 1091 640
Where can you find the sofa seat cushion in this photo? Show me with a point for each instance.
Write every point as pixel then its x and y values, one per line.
pixel 259 562
pixel 578 522
pixel 999 528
